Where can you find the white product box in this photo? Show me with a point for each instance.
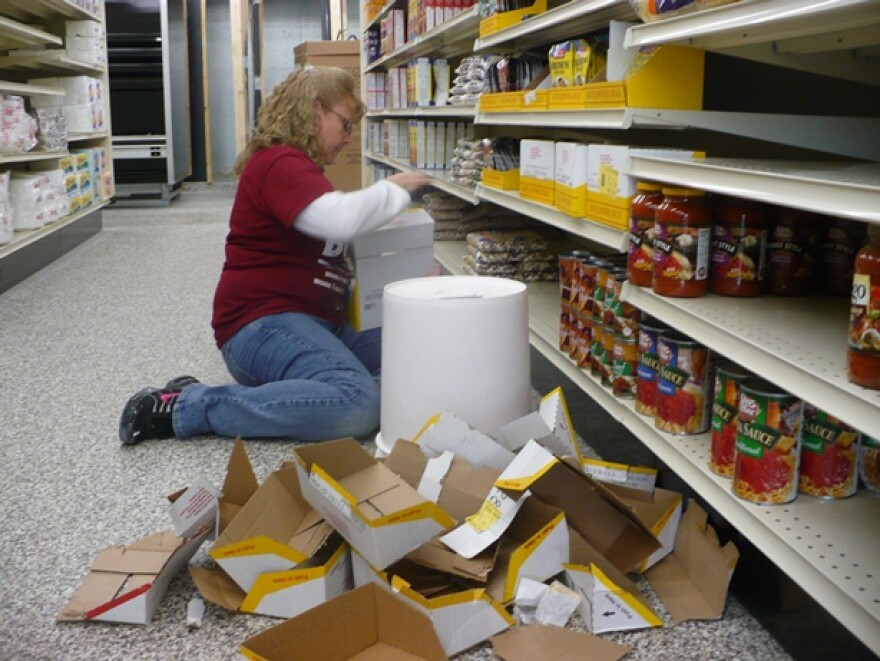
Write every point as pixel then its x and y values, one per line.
pixel 537 159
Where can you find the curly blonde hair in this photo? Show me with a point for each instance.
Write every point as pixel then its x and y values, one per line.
pixel 288 114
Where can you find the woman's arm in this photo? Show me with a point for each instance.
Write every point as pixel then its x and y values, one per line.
pixel 341 216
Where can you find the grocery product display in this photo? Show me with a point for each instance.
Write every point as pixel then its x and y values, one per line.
pixel 54 141
pixel 776 254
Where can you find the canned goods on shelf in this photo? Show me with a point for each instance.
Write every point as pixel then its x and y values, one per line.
pixel 623 366
pixel 869 461
pixel 648 368
pixel 829 456
pixel 685 379
pixel 728 377
pixel 768 440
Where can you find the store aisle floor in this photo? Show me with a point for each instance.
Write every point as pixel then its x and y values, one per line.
pixel 130 308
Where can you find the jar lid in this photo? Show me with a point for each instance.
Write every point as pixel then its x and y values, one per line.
pixel 683 192
pixel 648 186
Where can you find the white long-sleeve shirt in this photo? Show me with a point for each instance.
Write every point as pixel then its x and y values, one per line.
pixel 339 216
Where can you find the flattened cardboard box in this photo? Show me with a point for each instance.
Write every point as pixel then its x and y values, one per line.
pixel 537 641
pixel 609 600
pixel 378 626
pixel 285 593
pixel 376 511
pixel 692 582
pixel 276 530
pixel 459 490
pixel 461 617
pixel 590 508
pixel 126 583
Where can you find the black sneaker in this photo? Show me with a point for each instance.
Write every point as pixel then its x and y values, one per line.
pixel 148 415
pixel 178 383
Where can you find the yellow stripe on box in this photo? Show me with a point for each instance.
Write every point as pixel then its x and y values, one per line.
pixel 426 510
pixel 643 611
pixel 524 552
pixel 537 190
pixel 523 483
pixel 572 201
pixel 260 545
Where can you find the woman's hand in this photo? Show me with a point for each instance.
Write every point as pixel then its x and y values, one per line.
pixel 411 181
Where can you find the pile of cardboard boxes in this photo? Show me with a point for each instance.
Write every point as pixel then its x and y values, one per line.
pixel 427 550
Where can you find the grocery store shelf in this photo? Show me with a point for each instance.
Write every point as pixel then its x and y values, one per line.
pixel 602 118
pixel 9 87
pixel 29 10
pixel 24 238
pixel 827 547
pixel 750 22
pixel 849 190
pixel 48 62
pixel 797 343
pixel 439 181
pixel 382 13
pixel 583 227
pixel 573 19
pixel 14 34
pixel 455 37
pixel 25 157
pixel 427 112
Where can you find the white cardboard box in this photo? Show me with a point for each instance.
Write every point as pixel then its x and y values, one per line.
pixel 400 249
pixel 537 159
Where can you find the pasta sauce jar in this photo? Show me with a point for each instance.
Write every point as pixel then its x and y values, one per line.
pixel 728 377
pixel 681 243
pixel 843 238
pixel 792 245
pixel 829 453
pixel 683 385
pixel 768 438
pixel 863 351
pixel 640 253
pixel 738 247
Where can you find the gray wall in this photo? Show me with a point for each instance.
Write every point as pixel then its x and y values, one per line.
pixel 286 23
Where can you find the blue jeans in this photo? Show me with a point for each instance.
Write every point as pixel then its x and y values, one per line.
pixel 298 377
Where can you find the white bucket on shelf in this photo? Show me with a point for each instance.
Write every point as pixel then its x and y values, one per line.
pixel 455 343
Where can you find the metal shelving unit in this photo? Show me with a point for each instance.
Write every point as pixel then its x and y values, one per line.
pixel 429 112
pixel 30 250
pixel 440 180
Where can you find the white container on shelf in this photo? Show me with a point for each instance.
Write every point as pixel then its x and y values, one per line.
pixel 455 343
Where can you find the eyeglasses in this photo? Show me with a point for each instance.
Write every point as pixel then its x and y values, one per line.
pixel 347 126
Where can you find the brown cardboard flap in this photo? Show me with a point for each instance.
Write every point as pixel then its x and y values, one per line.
pixel 97 588
pixel 582 553
pixel 464 488
pixel 277 510
pixel 436 555
pixel 240 484
pixel 215 586
pixel 537 641
pixel 692 582
pixel 597 514
pixel 347 627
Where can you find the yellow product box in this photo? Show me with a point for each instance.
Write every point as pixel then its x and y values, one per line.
pixel 561 62
pixel 667 76
pixel 507 19
pixel 536 169
pixel 570 195
pixel 610 188
pixel 536 190
pixel 508 180
pixel 501 102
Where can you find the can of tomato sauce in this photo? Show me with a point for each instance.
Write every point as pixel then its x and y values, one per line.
pixel 685 379
pixel 640 254
pixel 583 339
pixel 829 456
pixel 768 439
pixel 648 367
pixel 607 354
pixel 623 366
pixel 565 327
pixel 682 235
pixel 586 282
pixel 738 247
pixel 597 346
pixel 728 377
pixel 613 289
pixel 869 461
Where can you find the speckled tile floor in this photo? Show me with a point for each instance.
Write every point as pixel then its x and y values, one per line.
pixel 128 308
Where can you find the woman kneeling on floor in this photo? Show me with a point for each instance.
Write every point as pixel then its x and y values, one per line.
pixel 279 307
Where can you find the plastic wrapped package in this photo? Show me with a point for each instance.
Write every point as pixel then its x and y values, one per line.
pixel 652 10
pixel 51 128
pixel 26 200
pixel 18 129
pixel 6 228
pixel 511 242
pixel 55 204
